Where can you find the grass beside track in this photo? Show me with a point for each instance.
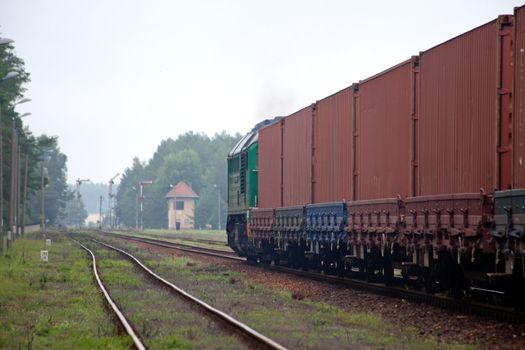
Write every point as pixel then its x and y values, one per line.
pixel 297 324
pixel 54 304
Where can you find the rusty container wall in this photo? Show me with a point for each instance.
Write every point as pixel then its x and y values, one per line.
pixel 458 113
pixel 343 114
pixel 333 148
pixel 297 158
pixel 270 171
pixel 324 142
pixel 384 134
pixel 519 98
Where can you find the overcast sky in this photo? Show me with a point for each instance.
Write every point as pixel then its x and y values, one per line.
pixel 112 79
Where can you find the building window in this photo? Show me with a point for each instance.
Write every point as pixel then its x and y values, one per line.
pixel 186 221
pixel 179 205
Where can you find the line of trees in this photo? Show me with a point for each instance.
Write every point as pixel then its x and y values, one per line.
pixel 32 151
pixel 193 158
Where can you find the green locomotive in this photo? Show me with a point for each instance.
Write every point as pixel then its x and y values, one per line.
pixel 243 188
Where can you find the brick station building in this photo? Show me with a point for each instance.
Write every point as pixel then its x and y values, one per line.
pixel 181 207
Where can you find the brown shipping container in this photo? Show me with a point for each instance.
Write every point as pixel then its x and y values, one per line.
pixel 270 166
pixel 333 148
pixel 384 134
pixel 519 99
pixel 297 158
pixel 458 118
pixel 342 110
pixel 323 153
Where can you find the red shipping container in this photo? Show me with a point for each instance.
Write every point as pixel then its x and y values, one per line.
pixel 458 119
pixel 384 133
pixel 519 99
pixel 333 147
pixel 269 164
pixel 297 158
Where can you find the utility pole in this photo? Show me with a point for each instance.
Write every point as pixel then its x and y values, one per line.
pixel 136 207
pixel 100 214
pixel 219 196
pixel 79 182
pixel 26 166
pixel 141 186
pixel 18 171
pixel 219 206
pixel 110 202
pixel 12 198
pixel 42 198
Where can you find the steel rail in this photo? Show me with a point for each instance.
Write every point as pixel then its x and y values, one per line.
pixel 173 236
pixel 466 306
pixel 180 246
pixel 253 334
pixel 127 326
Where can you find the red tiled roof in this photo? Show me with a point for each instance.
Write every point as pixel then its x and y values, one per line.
pixel 182 190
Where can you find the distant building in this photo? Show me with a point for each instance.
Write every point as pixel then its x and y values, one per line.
pixel 181 207
pixel 92 219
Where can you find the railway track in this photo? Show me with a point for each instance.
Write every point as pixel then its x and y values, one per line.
pixel 253 337
pixel 212 242
pixel 118 313
pixel 463 306
pixel 180 246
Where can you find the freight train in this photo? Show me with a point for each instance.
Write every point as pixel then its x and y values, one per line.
pixel 414 174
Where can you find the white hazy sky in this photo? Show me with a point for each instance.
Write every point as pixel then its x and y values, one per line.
pixel 113 78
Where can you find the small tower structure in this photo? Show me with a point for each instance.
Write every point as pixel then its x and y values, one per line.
pixel 181 207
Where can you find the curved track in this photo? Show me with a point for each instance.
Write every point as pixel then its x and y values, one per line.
pixel 123 321
pixel 463 306
pixel 252 334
